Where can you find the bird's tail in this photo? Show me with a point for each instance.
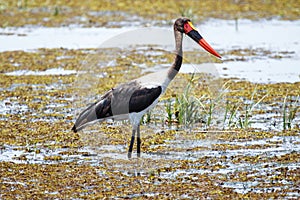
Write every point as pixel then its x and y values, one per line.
pixel 95 112
pixel 85 117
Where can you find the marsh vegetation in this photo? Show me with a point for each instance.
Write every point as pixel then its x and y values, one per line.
pixel 213 134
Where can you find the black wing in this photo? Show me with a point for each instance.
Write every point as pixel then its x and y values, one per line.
pixel 143 98
pixel 124 99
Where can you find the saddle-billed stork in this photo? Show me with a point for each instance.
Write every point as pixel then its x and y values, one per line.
pixel 133 99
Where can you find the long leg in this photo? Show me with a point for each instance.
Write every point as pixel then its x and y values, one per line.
pixel 138 144
pixel 131 143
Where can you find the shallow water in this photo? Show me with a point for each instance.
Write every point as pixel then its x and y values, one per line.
pixel 227 163
pixel 273 35
pixel 48 72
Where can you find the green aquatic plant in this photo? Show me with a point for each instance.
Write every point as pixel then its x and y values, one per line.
pixel 230 115
pixel 146 119
pixel 187 106
pixel 169 110
pixel 215 104
pixel 22 4
pixel 239 116
pixel 56 11
pixel 187 110
pixel 289 112
pixel 244 120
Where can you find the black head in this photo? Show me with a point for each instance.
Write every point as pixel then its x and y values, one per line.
pixel 179 24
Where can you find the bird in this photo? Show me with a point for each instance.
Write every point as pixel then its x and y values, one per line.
pixel 133 99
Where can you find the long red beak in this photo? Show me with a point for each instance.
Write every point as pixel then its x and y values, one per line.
pixel 190 30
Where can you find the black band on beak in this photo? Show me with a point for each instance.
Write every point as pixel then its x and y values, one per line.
pixel 195 35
